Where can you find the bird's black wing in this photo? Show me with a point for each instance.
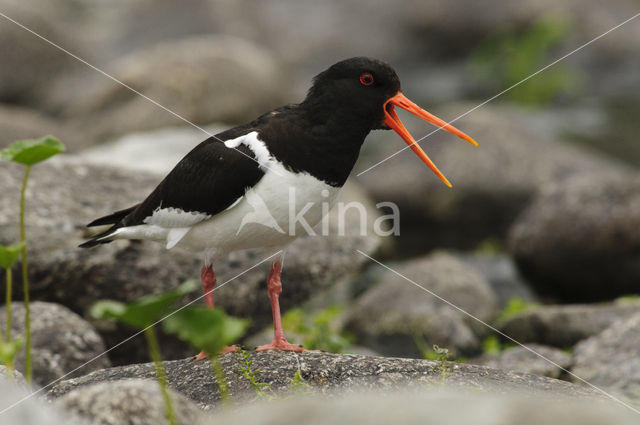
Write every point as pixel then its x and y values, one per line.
pixel 207 180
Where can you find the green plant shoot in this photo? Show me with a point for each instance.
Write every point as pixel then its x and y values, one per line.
pixel 8 257
pixel 9 348
pixel 247 371
pixel 28 153
pixel 210 330
pixel 143 314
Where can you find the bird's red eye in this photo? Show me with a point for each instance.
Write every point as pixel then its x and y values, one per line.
pixel 366 79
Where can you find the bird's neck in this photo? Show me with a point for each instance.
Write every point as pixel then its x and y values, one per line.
pixel 324 145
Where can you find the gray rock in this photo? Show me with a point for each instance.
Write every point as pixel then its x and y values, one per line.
pixel 492 184
pixel 325 373
pixel 29 64
pixel 610 359
pixel 579 240
pixel 64 194
pixel 131 401
pixel 429 407
pixel 20 407
pixel 564 325
pixel 18 123
pixel 61 341
pixel 501 274
pixel 155 151
pixel 204 79
pixel 388 316
pixel 522 360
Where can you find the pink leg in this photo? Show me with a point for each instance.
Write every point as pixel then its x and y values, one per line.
pixel 274 289
pixel 208 283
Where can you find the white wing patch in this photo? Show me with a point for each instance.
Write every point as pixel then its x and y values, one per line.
pixel 175 217
pixel 257 146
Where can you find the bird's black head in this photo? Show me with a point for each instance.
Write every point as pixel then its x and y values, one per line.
pixel 361 94
pixel 356 89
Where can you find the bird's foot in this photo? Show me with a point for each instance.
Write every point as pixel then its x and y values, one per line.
pixel 281 344
pixel 203 354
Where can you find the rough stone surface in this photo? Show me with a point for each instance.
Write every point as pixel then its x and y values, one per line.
pixel 610 359
pixel 132 401
pixel 389 316
pixel 522 360
pixel 429 407
pixel 326 373
pixel 579 240
pixel 61 341
pixel 203 79
pixel 64 195
pixel 492 184
pixel 564 325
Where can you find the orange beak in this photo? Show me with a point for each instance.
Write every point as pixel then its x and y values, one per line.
pixel 393 121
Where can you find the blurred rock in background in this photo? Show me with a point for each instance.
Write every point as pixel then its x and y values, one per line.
pixel 542 214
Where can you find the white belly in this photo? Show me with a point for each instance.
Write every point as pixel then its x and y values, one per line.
pixel 274 212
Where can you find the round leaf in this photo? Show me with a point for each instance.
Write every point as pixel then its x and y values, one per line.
pixel 31 151
pixel 206 329
pixel 143 312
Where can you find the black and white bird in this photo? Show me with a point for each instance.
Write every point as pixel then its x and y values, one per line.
pixel 236 190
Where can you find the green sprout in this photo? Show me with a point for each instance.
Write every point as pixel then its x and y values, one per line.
pixel 439 354
pixel 209 330
pixel 28 153
pixel 298 385
pixel 246 370
pixel 9 348
pixel 143 314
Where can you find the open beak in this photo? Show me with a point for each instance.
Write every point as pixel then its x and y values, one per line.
pixel 393 121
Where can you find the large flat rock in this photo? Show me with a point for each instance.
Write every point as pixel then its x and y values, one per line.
pixel 325 373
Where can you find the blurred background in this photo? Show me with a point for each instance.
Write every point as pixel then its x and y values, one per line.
pixel 546 212
pixel 226 61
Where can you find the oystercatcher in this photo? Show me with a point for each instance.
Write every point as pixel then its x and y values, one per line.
pixel 237 190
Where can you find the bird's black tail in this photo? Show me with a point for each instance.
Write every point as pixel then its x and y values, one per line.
pixel 112 218
pixel 115 219
pixel 100 238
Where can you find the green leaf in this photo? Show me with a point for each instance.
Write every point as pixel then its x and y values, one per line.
pixel 143 312
pixel 206 329
pixel 10 254
pixel 9 351
pixel 31 151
